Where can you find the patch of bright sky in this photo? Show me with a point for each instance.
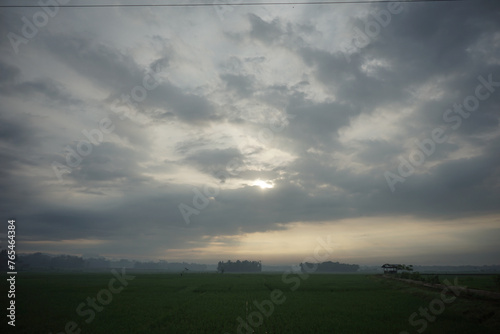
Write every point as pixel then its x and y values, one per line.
pixel 354 240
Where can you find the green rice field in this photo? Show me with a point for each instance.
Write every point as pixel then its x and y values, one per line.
pixel 242 303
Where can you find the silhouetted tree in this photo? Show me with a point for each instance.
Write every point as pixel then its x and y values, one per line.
pixel 239 266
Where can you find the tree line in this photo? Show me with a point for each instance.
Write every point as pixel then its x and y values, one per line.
pixel 328 267
pixel 41 262
pixel 239 266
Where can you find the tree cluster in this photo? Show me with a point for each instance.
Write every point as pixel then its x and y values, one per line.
pixel 404 267
pixel 239 266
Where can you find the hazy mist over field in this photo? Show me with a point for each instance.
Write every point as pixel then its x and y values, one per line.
pixel 211 133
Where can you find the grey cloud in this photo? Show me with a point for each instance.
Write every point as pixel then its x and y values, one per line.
pixel 108 165
pixel 263 31
pixel 377 152
pixel 119 73
pixel 104 64
pixel 8 73
pixel 51 90
pixel 18 133
pixel 214 161
pixel 435 49
pixel 189 108
pixel 241 84
pixel 316 125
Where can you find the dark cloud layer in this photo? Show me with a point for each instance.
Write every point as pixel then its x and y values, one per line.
pixel 350 120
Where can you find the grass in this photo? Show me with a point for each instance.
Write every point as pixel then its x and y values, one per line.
pixel 488 282
pixel 481 282
pixel 212 303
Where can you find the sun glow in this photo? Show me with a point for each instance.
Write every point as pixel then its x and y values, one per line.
pixel 263 184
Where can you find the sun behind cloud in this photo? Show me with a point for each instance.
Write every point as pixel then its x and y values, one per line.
pixel 263 184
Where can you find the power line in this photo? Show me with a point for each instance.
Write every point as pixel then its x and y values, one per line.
pixel 232 4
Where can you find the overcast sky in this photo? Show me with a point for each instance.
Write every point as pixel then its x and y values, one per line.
pixel 248 132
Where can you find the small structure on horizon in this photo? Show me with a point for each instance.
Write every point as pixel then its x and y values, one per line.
pixel 391 268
